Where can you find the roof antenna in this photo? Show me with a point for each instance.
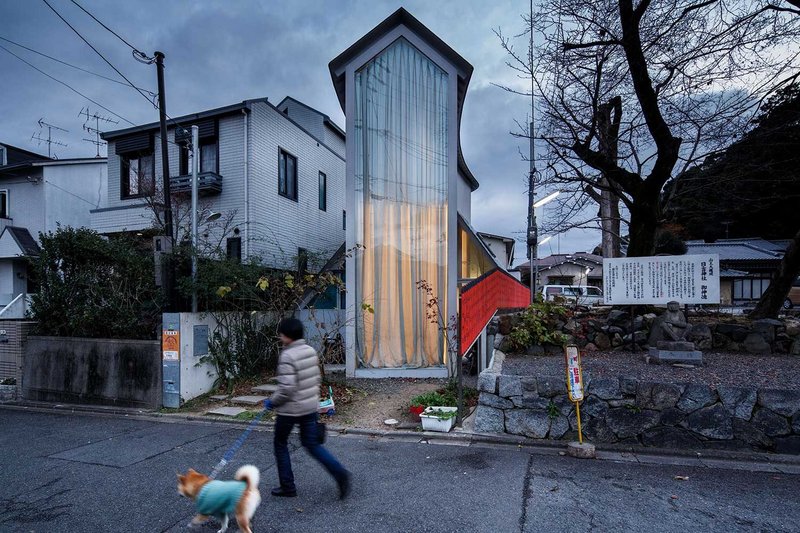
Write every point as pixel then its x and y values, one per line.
pixel 50 142
pixel 85 112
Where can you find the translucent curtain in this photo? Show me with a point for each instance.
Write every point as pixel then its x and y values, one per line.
pixel 401 207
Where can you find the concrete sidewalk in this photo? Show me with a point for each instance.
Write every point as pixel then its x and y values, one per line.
pixel 84 472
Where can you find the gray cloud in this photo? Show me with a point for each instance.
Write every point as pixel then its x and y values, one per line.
pixel 219 53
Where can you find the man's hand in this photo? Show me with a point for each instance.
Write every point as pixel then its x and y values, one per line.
pixel 268 404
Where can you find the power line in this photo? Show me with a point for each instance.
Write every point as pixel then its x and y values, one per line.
pixel 72 66
pixel 149 100
pixel 71 88
pixel 141 55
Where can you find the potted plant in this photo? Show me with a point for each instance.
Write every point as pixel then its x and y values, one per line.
pixel 438 418
pixel 420 402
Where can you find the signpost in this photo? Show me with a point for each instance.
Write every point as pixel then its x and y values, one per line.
pixel 575 382
pixel 171 360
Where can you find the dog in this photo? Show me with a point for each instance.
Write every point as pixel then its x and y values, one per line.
pixel 223 498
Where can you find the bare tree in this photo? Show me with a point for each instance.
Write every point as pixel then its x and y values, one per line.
pixel 632 95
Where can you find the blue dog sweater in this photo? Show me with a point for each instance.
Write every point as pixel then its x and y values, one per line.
pixel 219 498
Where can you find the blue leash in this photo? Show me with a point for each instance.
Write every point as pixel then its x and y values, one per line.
pixel 236 445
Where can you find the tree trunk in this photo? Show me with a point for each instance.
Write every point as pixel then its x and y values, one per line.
pixel 771 301
pixel 643 226
pixel 609 117
pixel 609 221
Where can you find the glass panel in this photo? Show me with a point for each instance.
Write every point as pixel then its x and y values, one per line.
pixel 291 177
pixel 208 158
pixel 282 173
pixel 747 289
pixel 3 204
pixel 146 177
pixel 475 261
pixel 133 177
pixel 401 168
pixel 323 191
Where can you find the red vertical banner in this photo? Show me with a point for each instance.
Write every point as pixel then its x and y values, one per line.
pixel 481 298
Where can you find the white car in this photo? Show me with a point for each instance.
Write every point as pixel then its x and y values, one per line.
pixel 578 294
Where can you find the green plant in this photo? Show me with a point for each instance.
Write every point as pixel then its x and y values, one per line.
pixel 634 408
pixel 90 286
pixel 552 411
pixel 538 325
pixel 441 414
pixel 433 398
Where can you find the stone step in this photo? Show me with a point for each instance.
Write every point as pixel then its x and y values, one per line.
pixel 267 388
pixel 219 397
pixel 248 400
pixel 227 411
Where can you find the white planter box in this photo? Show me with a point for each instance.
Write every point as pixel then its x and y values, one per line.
pixel 434 423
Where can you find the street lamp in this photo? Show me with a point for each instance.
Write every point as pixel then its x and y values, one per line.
pixel 533 238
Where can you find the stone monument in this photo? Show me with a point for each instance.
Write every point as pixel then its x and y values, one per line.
pixel 668 342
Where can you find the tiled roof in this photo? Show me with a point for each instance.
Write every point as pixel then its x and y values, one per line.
pixel 579 258
pixel 734 250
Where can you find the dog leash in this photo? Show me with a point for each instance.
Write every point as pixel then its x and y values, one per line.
pixel 236 445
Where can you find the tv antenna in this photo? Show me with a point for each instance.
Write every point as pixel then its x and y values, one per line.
pixel 50 142
pixel 85 112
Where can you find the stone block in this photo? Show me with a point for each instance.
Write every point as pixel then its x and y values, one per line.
pixel 796 423
pixel 628 385
pixel 558 427
pixel 487 382
pixel 563 404
pixel 771 424
pixel 602 341
pixel 658 396
pixel 585 450
pixel 550 386
pixel 670 437
pixel 672 417
pixel 605 388
pixel 489 420
pixel 696 396
pixel 618 317
pixel 795 347
pixel 617 340
pixel 596 429
pixel 676 346
pixel 792 328
pixel 594 407
pixel 756 344
pixel 749 434
pixel 591 347
pixel 625 422
pixel 735 332
pixel 529 385
pixel 509 386
pixel 528 422
pixel 658 355
pixel 739 401
pixel 713 422
pixel 783 402
pixel 227 411
pixel 248 400
pixel 626 402
pixel 701 336
pixel 530 402
pixel 492 400
pixel 789 445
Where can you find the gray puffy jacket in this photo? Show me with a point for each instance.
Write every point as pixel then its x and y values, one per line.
pixel 298 380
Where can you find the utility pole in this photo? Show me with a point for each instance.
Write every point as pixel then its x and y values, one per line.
pixel 169 277
pixel 195 172
pixel 533 232
pixel 49 141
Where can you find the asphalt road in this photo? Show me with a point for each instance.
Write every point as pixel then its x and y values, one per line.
pixel 90 473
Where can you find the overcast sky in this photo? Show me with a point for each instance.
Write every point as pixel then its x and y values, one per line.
pixel 219 53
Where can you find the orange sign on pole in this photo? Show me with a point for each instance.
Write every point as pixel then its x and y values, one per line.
pixel 171 345
pixel 575 382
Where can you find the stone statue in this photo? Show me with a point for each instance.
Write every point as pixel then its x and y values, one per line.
pixel 674 325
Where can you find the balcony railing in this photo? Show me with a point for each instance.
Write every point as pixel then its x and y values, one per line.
pixel 208 183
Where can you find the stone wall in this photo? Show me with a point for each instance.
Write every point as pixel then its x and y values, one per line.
pixel 627 411
pixel 605 329
pixel 93 371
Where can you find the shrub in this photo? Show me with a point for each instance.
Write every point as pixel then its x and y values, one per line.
pixel 538 325
pixel 90 286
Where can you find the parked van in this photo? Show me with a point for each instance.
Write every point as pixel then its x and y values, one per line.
pixel 580 294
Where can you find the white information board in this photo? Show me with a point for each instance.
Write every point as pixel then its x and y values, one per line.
pixel 686 279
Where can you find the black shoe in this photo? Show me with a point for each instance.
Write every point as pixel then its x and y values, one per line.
pixel 280 491
pixel 344 486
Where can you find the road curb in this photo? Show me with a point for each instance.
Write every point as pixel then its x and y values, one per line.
pixel 720 458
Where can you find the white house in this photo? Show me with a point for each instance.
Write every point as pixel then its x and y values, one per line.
pixel 277 174
pixel 37 195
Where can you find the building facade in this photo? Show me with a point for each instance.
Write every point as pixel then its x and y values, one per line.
pixel 37 196
pixel 276 174
pixel 408 197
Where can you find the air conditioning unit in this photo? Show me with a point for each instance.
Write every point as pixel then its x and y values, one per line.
pixel 162 245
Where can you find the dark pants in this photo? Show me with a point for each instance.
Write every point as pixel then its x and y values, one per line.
pixel 308 438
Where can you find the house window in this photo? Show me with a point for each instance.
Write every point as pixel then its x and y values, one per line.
pixel 344 220
pixel 287 175
pixel 4 204
pixel 209 161
pixel 3 160
pixel 234 245
pixel 137 175
pixel 302 260
pixel 323 191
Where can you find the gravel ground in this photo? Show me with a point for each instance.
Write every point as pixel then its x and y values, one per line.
pixel 720 368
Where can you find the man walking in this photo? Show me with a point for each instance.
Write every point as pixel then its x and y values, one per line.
pixel 296 402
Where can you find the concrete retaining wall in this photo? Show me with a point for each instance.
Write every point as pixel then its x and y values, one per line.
pixel 95 371
pixel 627 411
